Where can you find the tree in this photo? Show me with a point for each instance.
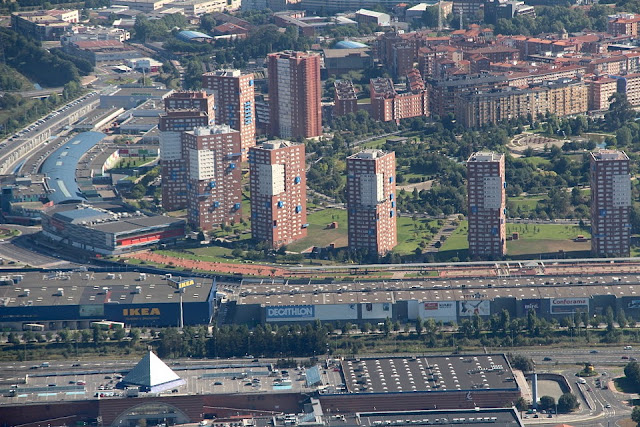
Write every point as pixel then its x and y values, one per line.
pixel 98 335
pixel 396 326
pixel 13 338
pixel 387 327
pixel 632 372
pixel 521 404
pixel 119 334
pixel 623 137
pixel 134 334
pixel 635 414
pixel 419 326
pixel 64 335
pixel 207 22
pixel 620 111
pixel 567 403
pixel 547 402
pixel 430 17
pixel 520 362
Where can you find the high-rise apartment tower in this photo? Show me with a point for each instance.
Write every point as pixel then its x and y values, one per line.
pixel 486 205
pixel 294 94
pixel 234 95
pixel 278 192
pixel 371 201
pixel 183 111
pixel 610 203
pixel 214 177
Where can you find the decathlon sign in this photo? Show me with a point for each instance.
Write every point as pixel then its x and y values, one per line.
pixel 289 312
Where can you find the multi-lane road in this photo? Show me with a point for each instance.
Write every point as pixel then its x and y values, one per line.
pixel 17 147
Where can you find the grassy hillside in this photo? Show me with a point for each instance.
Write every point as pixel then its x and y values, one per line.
pixel 10 79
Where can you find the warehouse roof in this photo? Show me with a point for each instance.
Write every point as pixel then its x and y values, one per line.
pixel 435 290
pixel 106 221
pixel 83 287
pixel 428 374
pixel 468 417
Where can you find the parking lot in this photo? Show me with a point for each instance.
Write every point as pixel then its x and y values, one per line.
pixel 78 381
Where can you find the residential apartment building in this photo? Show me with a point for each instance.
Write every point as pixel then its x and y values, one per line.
pixel 344 99
pixel 486 205
pixel 234 95
pixel 184 111
pixel 623 24
pixel 389 105
pixel 629 84
pixel 443 93
pixel 214 176
pixel 295 94
pixel 468 8
pixel 44 24
pixel 610 203
pixel 278 192
pixel 600 91
pixel 563 98
pixel 615 64
pixel 371 202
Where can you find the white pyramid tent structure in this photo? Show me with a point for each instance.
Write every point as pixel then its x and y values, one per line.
pixel 153 375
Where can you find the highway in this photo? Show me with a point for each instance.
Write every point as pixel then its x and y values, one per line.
pixel 15 149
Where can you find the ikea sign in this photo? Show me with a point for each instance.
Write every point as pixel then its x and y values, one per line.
pixel 291 312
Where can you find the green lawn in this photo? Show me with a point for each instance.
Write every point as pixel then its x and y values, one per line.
pixel 132 162
pixel 319 235
pixel 546 231
pixel 533 239
pixel 458 240
pixel 409 236
pixel 411 233
pixel 537 161
pixel 376 143
pixel 524 203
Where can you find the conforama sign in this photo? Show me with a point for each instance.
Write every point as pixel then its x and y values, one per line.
pixel 290 312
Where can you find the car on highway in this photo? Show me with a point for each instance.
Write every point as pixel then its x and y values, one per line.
pixel 607 406
pixel 625 357
pixel 547 359
pixel 593 351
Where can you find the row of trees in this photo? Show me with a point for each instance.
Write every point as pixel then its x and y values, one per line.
pixel 237 340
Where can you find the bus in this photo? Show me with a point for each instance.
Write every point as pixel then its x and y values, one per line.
pixel 32 327
pixel 106 325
